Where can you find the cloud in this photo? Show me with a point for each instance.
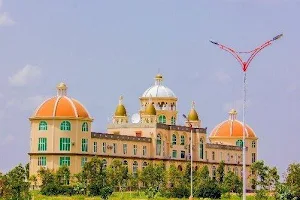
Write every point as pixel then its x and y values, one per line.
pixel 6 20
pixel 25 75
pixel 6 140
pixel 222 77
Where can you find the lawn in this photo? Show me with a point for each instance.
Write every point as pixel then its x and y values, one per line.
pixel 117 196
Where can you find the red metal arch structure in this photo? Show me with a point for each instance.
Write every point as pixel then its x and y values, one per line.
pixel 245 64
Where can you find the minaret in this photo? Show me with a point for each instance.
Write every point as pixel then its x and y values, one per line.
pixel 193 118
pixel 62 89
pixel 149 116
pixel 120 116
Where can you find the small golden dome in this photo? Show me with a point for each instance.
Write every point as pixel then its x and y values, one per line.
pixel 193 115
pixel 150 109
pixel 120 110
pixel 158 76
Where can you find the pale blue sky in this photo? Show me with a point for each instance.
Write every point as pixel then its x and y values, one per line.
pixel 104 49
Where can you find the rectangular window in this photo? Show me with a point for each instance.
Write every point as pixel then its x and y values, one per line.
pixel 182 154
pixel 221 156
pixel 42 161
pixel 42 144
pixel 134 149
pixel 236 158
pixel 124 148
pixel 95 147
pixel 253 158
pixel 84 145
pixel 64 144
pixel 83 161
pixel 64 161
pixel 115 147
pixel 144 150
pixel 174 154
pixel 104 147
pixel 206 155
pixel 228 157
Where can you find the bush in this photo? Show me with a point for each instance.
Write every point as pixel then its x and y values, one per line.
pixel 208 189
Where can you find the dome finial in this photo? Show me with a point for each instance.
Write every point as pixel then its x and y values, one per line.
pixel 193 115
pixel 158 79
pixel 121 100
pixel 193 104
pixel 232 114
pixel 61 89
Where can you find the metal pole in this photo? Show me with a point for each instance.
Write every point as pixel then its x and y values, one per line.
pixel 245 65
pixel 191 149
pixel 244 141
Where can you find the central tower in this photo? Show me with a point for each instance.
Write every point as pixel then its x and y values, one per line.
pixel 163 100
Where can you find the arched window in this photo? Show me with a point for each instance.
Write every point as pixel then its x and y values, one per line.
pixel 158 145
pixel 213 155
pixel 43 126
pixel 125 163
pixel 85 127
pixel 239 143
pixel 173 120
pixel 162 119
pixel 253 143
pixel 174 139
pixel 135 167
pixel 104 164
pixel 65 126
pixel 144 165
pixel 179 168
pixel 214 172
pixel 182 140
pixel 201 149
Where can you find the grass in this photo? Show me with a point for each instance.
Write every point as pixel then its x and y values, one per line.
pixel 119 196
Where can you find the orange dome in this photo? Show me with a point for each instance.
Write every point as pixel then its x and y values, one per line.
pixel 232 128
pixel 61 106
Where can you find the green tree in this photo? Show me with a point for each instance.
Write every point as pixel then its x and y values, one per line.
pixel 117 174
pixel 272 178
pixel 33 180
pixel 62 176
pixel 221 172
pixel 293 179
pixel 259 179
pixel 231 184
pixel 178 183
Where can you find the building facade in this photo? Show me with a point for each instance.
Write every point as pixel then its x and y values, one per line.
pixel 61 134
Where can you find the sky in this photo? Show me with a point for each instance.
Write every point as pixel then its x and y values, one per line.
pixel 104 49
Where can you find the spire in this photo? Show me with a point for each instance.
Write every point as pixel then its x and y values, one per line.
pixel 121 100
pixel 193 115
pixel 232 114
pixel 158 79
pixel 61 89
pixel 193 104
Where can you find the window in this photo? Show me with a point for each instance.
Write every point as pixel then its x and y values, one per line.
pixel 64 144
pixel 85 127
pixel 201 149
pixel 42 144
pixel 83 161
pixel 253 144
pixel 135 167
pixel 173 121
pixel 206 155
pixel 65 126
pixel 125 163
pixel 104 147
pixel 64 161
pixel 236 171
pixel 239 143
pixel 95 147
pixel 182 154
pixel 213 155
pixel 173 139
pixel 182 140
pixel 115 147
pixel 144 150
pixel 43 126
pixel 134 149
pixel 214 172
pixel 228 157
pixel 144 165
pixel 253 158
pixel 158 145
pixel 42 161
pixel 174 154
pixel 124 148
pixel 236 158
pixel 84 145
pixel 221 156
pixel 104 164
pixel 162 119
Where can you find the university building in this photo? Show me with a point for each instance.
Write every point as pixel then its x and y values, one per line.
pixel 61 135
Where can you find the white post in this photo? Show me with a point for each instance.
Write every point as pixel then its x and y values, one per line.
pixel 244 145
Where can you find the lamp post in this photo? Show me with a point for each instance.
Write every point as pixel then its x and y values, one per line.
pixel 191 152
pixel 245 65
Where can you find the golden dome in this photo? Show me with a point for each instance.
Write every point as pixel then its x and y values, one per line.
pixel 120 110
pixel 193 115
pixel 158 76
pixel 150 109
pixel 232 128
pixel 61 106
